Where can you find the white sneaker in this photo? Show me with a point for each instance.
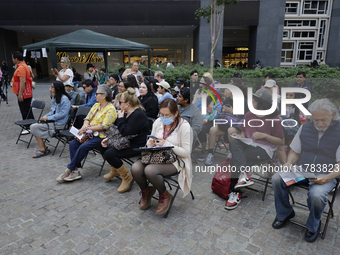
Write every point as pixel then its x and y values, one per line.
pixel 25 132
pixel 73 176
pixel 244 180
pixel 233 201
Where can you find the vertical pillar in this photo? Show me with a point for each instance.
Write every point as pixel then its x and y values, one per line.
pixel 333 51
pixel 270 32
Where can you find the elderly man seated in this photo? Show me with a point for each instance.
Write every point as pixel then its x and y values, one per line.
pixel 318 144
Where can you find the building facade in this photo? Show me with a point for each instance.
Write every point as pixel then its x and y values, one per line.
pixel 278 33
pixel 306 31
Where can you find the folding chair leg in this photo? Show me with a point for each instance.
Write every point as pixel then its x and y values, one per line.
pixel 101 169
pixel 55 148
pixel 265 189
pixel 82 165
pixel 63 149
pixel 30 142
pixel 171 202
pixel 19 135
pixel 192 195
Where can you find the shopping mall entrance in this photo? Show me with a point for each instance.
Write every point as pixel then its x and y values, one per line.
pixel 235 47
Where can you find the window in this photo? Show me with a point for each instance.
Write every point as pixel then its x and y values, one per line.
pixel 300 23
pixel 291 8
pixel 315 7
pixel 305 51
pixel 285 34
pixel 319 55
pixel 303 34
pixel 322 33
pixel 287 52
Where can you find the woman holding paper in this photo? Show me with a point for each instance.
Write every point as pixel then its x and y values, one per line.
pixel 132 121
pixel 65 75
pixel 170 130
pixel 96 124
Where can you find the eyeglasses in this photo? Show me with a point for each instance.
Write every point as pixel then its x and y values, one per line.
pixel 99 94
pixel 121 102
pixel 61 62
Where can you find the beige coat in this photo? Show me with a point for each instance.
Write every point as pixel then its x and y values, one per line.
pixel 180 138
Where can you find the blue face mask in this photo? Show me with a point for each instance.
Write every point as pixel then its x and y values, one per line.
pixel 68 92
pixel 167 120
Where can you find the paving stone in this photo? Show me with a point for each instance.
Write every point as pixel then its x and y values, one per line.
pixel 41 216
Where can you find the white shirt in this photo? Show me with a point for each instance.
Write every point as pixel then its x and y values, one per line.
pixel 67 72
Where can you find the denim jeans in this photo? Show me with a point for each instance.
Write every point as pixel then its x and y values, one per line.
pixel 317 200
pixel 78 151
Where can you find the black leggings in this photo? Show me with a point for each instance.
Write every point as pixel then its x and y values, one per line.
pixel 154 173
pixel 113 156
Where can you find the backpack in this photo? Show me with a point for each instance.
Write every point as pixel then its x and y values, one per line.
pixel 222 180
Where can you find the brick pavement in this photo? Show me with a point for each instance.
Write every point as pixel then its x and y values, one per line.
pixel 41 216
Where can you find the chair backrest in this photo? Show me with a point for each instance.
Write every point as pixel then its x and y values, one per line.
pixel 38 104
pixel 84 110
pixel 151 121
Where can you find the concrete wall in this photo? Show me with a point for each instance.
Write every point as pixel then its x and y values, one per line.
pixel 8 44
pixel 269 32
pixel 333 49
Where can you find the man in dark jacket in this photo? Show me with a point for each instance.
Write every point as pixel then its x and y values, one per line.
pixel 301 82
pixel 317 145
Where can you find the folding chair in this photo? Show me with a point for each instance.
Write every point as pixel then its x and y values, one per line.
pixel 329 213
pixel 25 124
pixel 65 136
pixel 172 183
pixel 265 182
pixel 57 131
pixel 220 142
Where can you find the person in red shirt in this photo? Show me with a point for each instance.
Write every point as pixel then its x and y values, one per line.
pixel 22 85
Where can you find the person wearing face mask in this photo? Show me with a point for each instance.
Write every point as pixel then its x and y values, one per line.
pixel 171 130
pixel 148 100
pixel 75 97
pixel 56 118
pixel 132 121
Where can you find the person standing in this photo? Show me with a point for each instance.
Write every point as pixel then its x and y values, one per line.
pixel 65 75
pixel 22 85
pixel 92 74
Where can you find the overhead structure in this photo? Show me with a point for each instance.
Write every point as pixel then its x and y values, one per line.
pixel 86 40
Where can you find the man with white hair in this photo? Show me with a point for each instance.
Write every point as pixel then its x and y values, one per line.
pixel 318 145
pixel 159 76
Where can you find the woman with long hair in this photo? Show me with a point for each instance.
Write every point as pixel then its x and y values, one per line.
pixel 54 120
pixel 168 130
pixel 148 100
pixel 132 121
pixel 134 84
pixel 65 75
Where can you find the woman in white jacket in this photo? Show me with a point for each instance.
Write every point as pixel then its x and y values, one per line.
pixel 171 130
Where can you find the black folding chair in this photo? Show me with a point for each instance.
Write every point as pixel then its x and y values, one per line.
pixel 329 213
pixel 65 136
pixel 266 176
pixel 25 124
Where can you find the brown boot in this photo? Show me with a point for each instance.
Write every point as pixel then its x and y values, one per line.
pixel 113 173
pixel 127 179
pixel 163 203
pixel 145 201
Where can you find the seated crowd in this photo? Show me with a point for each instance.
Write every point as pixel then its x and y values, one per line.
pixel 127 102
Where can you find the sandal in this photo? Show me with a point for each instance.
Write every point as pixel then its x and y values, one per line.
pixel 41 153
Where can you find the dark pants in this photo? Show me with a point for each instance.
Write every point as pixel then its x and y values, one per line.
pixel 244 155
pixel 202 136
pixel 113 156
pixel 25 108
pixel 78 151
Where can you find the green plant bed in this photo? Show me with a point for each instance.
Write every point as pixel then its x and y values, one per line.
pixel 325 80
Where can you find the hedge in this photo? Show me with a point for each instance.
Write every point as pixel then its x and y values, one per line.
pixel 325 80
